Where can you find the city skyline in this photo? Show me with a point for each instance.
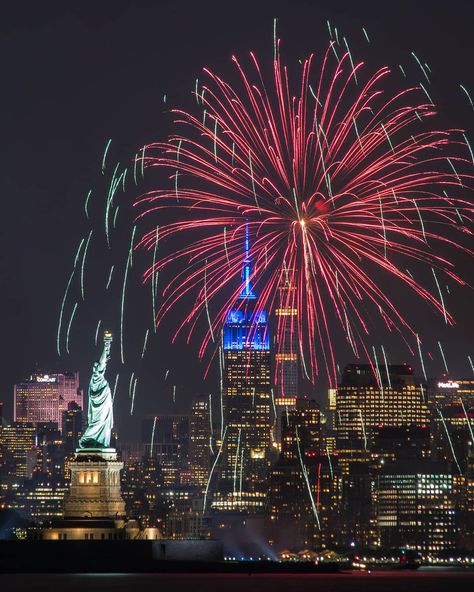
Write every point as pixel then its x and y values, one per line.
pixel 155 393
pixel 237 279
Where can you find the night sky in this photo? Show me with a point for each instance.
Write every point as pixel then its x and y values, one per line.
pixel 75 74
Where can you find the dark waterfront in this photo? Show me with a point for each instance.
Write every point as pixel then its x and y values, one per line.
pixel 421 581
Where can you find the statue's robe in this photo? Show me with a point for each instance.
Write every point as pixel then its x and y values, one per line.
pixel 100 412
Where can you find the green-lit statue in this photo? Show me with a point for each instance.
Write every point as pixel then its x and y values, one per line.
pixel 100 417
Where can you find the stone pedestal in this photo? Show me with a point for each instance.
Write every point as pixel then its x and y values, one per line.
pixel 95 485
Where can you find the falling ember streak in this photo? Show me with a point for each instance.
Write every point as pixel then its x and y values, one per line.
pixel 449 440
pixel 143 162
pixel 236 458
pixel 221 382
pixel 426 93
pixel 105 154
pixel 135 161
pixel 365 35
pixel 63 302
pixel 69 326
pixel 110 277
pixel 124 286
pixel 145 341
pixel 440 296
pixel 421 66
pixel 154 279
pixel 114 222
pixel 241 471
pixel 152 436
pixel 402 70
pixel 133 395
pixel 469 148
pixel 115 386
pixel 225 247
pixel 207 306
pixel 330 463
pixel 468 421
pixel 350 58
pixel 97 332
pixel 273 404
pixel 130 384
pixel 470 362
pixel 378 374
pixel 274 39
pixel 212 471
pixel 305 475
pixel 386 368
pixel 84 262
pixel 174 393
pixel 108 204
pixel 131 245
pixel 363 429
pixel 467 94
pixel 86 203
pixel 211 426
pixel 421 357
pixel 443 356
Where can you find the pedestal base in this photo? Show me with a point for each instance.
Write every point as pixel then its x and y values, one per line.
pixel 95 485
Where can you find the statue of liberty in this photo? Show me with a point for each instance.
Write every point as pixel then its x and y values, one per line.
pixel 100 418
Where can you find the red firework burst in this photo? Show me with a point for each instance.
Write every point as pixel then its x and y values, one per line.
pixel 332 186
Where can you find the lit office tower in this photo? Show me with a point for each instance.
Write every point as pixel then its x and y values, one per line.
pixel 246 402
pixel 44 397
pixel 372 397
pixel 286 349
pixel 416 506
pixel 304 487
pixel 72 427
pixel 199 441
pixel 17 442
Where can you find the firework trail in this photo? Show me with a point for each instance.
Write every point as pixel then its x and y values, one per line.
pixel 216 460
pixel 326 176
pixel 305 476
pixel 468 421
pixel 449 440
pixel 152 436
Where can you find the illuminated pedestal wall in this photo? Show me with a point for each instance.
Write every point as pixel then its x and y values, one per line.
pixel 95 486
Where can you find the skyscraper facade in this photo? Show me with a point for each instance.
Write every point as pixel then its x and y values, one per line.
pixel 199 442
pixel 44 397
pixel 286 350
pixel 416 506
pixel 18 449
pixel 246 438
pixel 369 398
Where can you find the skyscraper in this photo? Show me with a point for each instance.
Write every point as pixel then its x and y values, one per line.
pixel 18 449
pixel 369 398
pixel 246 401
pixel 199 441
pixel 72 427
pixel 416 506
pixel 44 397
pixel 286 349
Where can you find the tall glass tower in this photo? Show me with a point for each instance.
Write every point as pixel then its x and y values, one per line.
pixel 246 401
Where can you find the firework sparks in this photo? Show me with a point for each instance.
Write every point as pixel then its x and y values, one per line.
pixel 329 185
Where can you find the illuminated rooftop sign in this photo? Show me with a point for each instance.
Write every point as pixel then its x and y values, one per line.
pixel 45 378
pixel 449 385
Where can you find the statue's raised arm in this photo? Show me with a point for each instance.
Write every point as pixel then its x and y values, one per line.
pixel 100 418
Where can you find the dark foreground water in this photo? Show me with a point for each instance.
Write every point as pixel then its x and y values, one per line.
pixel 420 581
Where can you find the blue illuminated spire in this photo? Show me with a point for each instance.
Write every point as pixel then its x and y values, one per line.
pixel 247 291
